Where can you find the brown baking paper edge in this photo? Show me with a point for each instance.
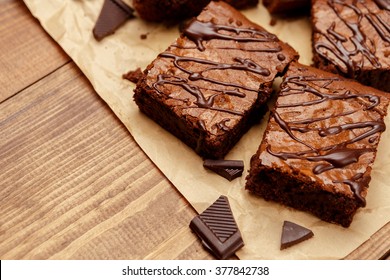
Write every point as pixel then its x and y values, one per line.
pixel 70 23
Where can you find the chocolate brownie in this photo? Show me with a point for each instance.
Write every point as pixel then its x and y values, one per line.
pixel 320 143
pixel 352 38
pixel 242 4
pixel 213 82
pixel 287 7
pixel 162 10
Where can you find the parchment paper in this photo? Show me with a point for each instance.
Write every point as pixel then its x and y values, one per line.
pixel 70 23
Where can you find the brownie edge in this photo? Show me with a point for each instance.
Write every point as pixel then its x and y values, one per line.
pixel 212 84
pixel 319 145
pixel 352 38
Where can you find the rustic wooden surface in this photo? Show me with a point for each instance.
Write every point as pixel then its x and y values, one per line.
pixel 73 182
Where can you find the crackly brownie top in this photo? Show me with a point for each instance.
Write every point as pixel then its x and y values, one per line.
pixel 213 73
pixel 326 129
pixel 354 35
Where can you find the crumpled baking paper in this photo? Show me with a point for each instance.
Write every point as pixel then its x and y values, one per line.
pixel 70 23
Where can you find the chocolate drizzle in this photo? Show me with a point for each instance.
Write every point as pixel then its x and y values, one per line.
pixel 222 125
pixel 201 100
pixel 357 184
pixel 199 31
pixel 241 64
pixel 214 94
pixel 351 59
pixel 383 4
pixel 336 155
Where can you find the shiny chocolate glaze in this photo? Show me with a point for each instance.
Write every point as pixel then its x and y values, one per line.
pixel 327 126
pixel 199 31
pixel 384 4
pixel 357 35
pixel 222 63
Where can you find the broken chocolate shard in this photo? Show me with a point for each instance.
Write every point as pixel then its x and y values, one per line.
pixel 293 234
pixel 218 230
pixel 114 13
pixel 229 169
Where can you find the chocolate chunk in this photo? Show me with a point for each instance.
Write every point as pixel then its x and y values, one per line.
pixel 229 169
pixel 134 75
pixel 218 230
pixel 114 13
pixel 293 234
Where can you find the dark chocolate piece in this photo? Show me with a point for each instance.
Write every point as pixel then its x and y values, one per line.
pixel 293 234
pixel 229 169
pixel 352 38
pixel 213 83
pixel 218 230
pixel 114 13
pixel 320 144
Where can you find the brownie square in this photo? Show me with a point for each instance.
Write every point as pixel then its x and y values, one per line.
pixel 352 38
pixel 319 145
pixel 213 82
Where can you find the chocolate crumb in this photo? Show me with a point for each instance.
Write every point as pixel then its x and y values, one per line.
pixel 134 75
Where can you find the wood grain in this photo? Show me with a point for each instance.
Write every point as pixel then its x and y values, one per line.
pixel 22 34
pixel 377 247
pixel 73 182
pixel 75 185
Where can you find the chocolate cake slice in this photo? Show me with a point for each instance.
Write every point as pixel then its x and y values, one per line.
pixel 212 84
pixel 352 38
pixel 320 144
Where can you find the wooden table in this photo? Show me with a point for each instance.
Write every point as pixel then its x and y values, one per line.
pixel 74 183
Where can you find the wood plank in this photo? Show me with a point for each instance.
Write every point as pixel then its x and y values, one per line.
pixel 75 185
pixel 377 247
pixel 27 53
